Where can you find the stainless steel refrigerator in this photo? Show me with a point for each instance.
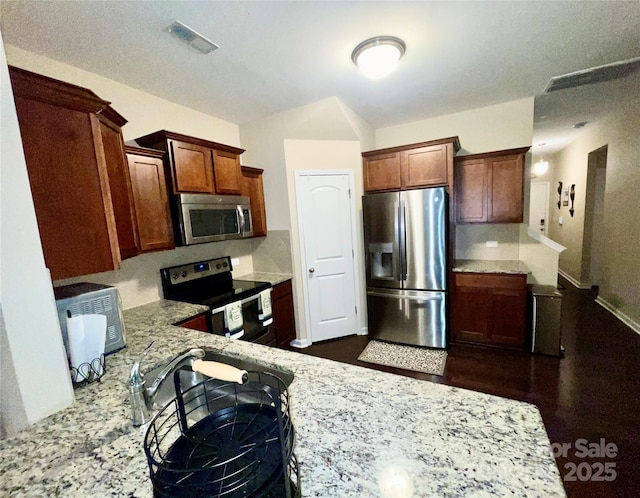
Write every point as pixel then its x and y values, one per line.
pixel 405 236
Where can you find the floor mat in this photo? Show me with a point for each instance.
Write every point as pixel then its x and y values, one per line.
pixel 431 361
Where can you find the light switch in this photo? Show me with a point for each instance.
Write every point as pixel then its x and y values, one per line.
pixel 559 220
pixel 492 243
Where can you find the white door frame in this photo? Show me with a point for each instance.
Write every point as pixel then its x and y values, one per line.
pixel 298 175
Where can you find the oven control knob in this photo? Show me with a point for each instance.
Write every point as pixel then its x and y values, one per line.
pixel 218 266
pixel 225 264
pixel 183 274
pixel 174 276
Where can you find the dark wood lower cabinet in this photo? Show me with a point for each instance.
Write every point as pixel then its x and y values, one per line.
pixel 284 322
pixel 490 309
pixel 198 322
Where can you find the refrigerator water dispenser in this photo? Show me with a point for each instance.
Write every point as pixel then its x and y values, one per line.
pixel 381 258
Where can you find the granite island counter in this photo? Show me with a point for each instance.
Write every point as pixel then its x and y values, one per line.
pixel 357 429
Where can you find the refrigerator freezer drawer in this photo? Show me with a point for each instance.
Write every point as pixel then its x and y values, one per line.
pixel 408 317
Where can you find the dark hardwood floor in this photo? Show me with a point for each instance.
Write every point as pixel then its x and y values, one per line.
pixel 591 393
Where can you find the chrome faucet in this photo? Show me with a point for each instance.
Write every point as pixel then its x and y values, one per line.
pixel 142 398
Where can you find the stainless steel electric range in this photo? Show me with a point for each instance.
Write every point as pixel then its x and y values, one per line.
pixel 210 283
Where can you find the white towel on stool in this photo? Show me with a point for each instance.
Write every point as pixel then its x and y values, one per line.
pixel 233 317
pixel 264 304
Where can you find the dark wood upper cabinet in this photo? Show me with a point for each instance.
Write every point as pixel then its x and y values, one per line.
pixel 227 172
pixel 382 172
pixel 119 182
pixel 191 167
pixel 75 162
pixel 425 164
pixel 253 188
pixel 153 216
pixel 489 187
pixel 471 191
pixel 198 165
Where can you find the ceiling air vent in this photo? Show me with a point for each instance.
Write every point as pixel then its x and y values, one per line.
pixel 191 37
pixel 598 74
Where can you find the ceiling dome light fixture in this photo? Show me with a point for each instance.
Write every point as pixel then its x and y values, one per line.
pixel 377 57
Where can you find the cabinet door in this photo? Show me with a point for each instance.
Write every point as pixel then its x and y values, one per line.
pixel 471 191
pixel 506 184
pixel 382 172
pixel 120 188
pixel 192 167
pixel 252 187
pixel 284 321
pixel 69 185
pixel 471 307
pixel 198 322
pixel 228 177
pixel 490 308
pixel 153 217
pixel 508 311
pixel 424 166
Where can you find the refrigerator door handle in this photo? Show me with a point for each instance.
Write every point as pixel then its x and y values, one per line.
pixel 403 240
pixel 397 256
pixel 534 324
pixel 436 296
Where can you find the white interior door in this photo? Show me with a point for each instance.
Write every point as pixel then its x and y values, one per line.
pixel 539 207
pixel 326 230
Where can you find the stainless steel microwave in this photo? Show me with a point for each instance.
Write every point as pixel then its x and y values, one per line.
pixel 210 218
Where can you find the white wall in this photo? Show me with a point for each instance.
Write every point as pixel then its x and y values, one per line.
pixel 541 255
pixel 327 119
pixel 146 113
pixel 620 270
pixel 324 155
pixel 32 350
pixel 497 127
pixel 138 279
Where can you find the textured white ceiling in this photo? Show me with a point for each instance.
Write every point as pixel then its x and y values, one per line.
pixel 275 56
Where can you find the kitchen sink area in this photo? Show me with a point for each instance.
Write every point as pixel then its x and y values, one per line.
pixel 357 431
pixel 188 378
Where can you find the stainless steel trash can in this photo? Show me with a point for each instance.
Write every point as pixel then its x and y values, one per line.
pixel 546 320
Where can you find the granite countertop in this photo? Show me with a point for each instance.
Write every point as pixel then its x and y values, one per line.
pixel 356 429
pixel 272 278
pixel 490 266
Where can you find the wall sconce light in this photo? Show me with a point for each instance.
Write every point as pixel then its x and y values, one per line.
pixel 377 57
pixel 559 195
pixel 573 196
pixel 540 168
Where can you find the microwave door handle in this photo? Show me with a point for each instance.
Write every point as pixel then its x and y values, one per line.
pixel 240 220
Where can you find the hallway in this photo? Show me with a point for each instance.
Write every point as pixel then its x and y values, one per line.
pixel 591 393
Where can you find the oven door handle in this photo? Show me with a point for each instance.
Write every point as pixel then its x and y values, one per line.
pixel 244 301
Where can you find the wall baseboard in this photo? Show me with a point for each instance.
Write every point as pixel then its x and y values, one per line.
pixel 300 343
pixel 364 331
pixel 573 281
pixel 629 322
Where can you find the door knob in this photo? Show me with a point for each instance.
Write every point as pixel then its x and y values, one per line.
pixel 311 270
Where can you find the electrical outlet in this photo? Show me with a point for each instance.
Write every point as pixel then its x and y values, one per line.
pixel 492 243
pixel 235 262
